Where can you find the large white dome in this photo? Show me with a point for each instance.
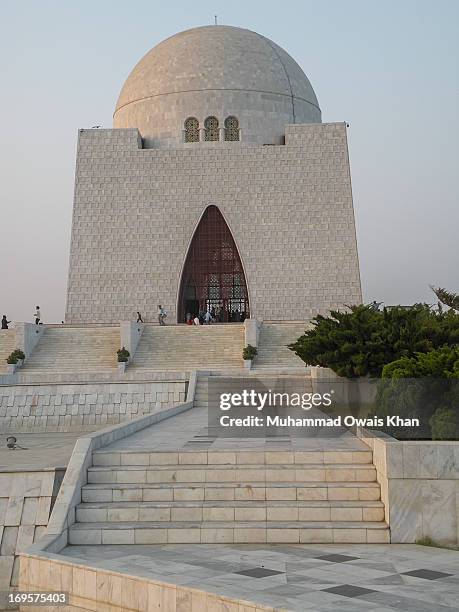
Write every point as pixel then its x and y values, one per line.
pixel 216 71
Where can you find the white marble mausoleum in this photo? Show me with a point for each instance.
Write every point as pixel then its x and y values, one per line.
pixel 218 186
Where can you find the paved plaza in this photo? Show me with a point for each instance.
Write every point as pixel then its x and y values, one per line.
pixel 189 431
pixel 297 577
pixel 37 451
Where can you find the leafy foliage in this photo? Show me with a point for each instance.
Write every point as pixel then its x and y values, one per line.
pixel 15 356
pixel 362 341
pixel 249 352
pixel 439 363
pixel 447 297
pixel 426 387
pixel 123 355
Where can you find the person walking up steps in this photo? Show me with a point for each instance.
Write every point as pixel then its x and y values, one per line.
pixel 161 315
pixel 5 322
pixel 37 315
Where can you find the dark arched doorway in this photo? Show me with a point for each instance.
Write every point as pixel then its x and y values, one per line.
pixel 213 278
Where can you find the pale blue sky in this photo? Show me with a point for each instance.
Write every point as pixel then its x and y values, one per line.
pixel 390 69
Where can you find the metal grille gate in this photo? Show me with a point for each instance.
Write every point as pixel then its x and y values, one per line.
pixel 213 278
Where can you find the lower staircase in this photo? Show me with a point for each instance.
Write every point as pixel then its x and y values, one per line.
pixel 230 497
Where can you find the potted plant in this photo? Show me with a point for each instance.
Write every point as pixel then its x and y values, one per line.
pixel 123 358
pixel 248 353
pixel 20 357
pixel 14 360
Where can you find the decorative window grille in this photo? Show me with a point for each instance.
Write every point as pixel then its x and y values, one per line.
pixel 191 129
pixel 213 277
pixel 231 129
pixel 211 127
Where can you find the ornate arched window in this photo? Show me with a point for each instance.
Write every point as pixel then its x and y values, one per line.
pixel 191 129
pixel 211 127
pixel 213 277
pixel 231 128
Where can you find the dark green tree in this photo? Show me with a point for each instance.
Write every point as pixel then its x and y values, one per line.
pixel 425 387
pixel 362 340
pixel 447 297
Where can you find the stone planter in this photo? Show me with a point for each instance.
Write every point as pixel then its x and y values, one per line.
pixel 11 368
pixel 19 363
pixel 122 367
pixel 248 364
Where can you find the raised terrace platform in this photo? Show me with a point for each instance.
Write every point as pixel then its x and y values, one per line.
pixel 315 578
pixel 87 353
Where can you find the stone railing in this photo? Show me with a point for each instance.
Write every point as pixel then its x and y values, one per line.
pixel 130 334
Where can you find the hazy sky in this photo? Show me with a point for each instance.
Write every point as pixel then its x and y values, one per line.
pixel 390 69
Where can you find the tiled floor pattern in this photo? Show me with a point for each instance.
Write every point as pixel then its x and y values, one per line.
pixel 189 431
pixel 320 578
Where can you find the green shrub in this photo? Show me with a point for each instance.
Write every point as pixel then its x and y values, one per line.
pixel 445 423
pixel 439 363
pixel 15 356
pixel 426 387
pixel 249 352
pixel 362 341
pixel 123 355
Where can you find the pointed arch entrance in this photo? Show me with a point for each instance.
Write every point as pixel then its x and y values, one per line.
pixel 213 277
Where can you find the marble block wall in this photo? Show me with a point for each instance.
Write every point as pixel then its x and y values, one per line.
pixel 83 407
pixel 289 208
pixel 419 487
pixel 26 500
pixel 101 589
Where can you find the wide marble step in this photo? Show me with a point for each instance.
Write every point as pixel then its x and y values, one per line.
pixel 252 532
pixel 230 458
pixel 251 473
pixel 208 511
pixel 230 491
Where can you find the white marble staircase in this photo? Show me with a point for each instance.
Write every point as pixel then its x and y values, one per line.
pixel 230 496
pixel 72 349
pixel 273 354
pixel 7 346
pixel 190 347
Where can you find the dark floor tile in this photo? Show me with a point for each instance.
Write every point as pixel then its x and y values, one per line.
pixel 337 558
pixel 259 572
pixel 427 574
pixel 348 590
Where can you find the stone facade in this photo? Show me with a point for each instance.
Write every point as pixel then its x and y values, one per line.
pixel 83 407
pixel 289 208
